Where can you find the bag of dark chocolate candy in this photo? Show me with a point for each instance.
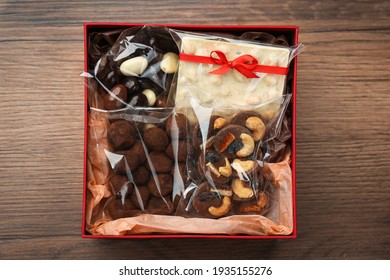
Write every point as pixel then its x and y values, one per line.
pixel 168 155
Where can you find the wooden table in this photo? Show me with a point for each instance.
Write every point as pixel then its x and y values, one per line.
pixel 343 128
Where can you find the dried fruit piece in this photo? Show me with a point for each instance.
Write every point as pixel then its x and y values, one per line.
pixel 226 142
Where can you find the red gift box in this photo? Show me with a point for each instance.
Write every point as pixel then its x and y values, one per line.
pixel 290 32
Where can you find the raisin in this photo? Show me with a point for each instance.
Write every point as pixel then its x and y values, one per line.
pixel 213 158
pixel 235 146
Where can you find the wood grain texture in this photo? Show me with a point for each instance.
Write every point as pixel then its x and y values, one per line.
pixel 343 122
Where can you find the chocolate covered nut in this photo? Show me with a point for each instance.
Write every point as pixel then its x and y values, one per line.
pixel 131 84
pixel 138 149
pixel 121 208
pixel 165 185
pixel 127 164
pixel 121 135
pixel 121 186
pixel 209 203
pixel 138 100
pixel 141 175
pixel 169 63
pixel 160 206
pixel 134 66
pixel 177 150
pixel 112 103
pixel 111 79
pixel 161 101
pixel 140 197
pixel 177 126
pixel 150 96
pixel 156 139
pixel 160 162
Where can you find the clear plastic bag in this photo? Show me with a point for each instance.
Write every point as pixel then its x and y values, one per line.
pixel 159 162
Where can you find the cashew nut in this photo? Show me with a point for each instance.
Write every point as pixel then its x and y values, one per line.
pixel 226 170
pixel 241 189
pixel 243 165
pixel 249 145
pixel 219 123
pixel 221 210
pixel 213 169
pixel 257 127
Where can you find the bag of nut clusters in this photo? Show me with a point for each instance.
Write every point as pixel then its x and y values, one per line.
pixel 233 93
pixel 158 157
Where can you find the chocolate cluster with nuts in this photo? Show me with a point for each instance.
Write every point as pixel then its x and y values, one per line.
pixel 228 154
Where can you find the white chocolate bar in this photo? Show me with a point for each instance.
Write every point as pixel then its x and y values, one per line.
pixel 232 89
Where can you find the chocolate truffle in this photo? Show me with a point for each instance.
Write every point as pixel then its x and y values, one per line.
pixel 177 126
pixel 140 197
pixel 138 149
pixel 156 139
pixel 121 186
pixel 121 208
pixel 141 175
pixel 165 182
pixel 121 135
pixel 160 162
pixel 180 150
pixel 160 206
pixel 128 163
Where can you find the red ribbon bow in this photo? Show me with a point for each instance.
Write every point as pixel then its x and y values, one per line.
pixel 246 64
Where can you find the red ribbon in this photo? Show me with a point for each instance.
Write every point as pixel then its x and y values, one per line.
pixel 246 64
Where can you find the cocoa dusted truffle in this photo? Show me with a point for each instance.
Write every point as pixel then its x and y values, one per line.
pixel 165 183
pixel 138 149
pixel 156 139
pixel 121 135
pixel 160 206
pixel 140 197
pixel 128 163
pixel 160 162
pixel 141 175
pixel 121 186
pixel 177 126
pixel 121 208
pixel 180 148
